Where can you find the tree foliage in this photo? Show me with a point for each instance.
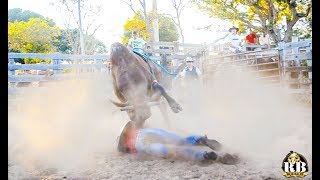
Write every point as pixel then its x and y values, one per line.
pixel 31 32
pixel 135 24
pixel 18 14
pixel 167 29
pixel 178 6
pixel 69 43
pixel 34 36
pixel 271 16
pixel 71 37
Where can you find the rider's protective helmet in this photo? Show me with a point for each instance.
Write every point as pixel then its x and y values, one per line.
pixel 122 147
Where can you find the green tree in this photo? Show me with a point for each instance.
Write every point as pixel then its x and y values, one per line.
pixel 304 28
pixel 69 43
pixel 18 14
pixel 167 29
pixel 275 17
pixel 63 45
pixel 34 36
pixel 89 11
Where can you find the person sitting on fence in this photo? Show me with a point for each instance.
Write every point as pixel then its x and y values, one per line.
pixel 264 39
pixel 233 40
pixel 164 144
pixel 251 39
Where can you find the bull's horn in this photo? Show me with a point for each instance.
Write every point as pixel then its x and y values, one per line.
pixel 119 104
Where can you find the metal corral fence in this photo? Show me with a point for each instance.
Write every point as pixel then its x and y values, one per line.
pixel 32 77
pixel 289 66
pixel 63 63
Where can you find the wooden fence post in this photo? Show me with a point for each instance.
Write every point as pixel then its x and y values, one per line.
pixel 11 72
pixel 282 62
pixel 309 61
pixel 99 62
pixel 175 46
pixel 56 62
pixel 11 62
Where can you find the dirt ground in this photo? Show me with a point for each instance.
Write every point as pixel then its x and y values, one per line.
pixel 69 132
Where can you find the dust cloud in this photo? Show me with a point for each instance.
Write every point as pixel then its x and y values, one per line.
pixel 64 125
pixel 258 122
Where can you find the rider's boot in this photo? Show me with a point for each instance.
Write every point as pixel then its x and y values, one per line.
pixel 211 143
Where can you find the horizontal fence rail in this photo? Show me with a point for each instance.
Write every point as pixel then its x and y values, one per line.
pixel 289 64
pixel 287 56
pixel 57 56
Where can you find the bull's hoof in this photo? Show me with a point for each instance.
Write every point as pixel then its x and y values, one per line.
pixel 228 159
pixel 175 107
pixel 211 143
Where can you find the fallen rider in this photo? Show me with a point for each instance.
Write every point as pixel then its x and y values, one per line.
pixel 160 143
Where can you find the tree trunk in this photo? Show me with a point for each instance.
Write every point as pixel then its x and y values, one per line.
pixel 180 28
pixel 289 31
pixel 181 33
pixel 288 34
pixel 147 21
pixel 155 21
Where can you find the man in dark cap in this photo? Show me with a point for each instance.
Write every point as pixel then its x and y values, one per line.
pixel 160 143
pixel 233 40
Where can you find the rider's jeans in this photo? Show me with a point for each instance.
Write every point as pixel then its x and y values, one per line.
pixel 161 143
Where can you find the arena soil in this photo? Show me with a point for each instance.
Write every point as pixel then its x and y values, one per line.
pixel 69 131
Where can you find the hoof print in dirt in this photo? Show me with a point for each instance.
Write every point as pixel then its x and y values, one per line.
pixel 228 159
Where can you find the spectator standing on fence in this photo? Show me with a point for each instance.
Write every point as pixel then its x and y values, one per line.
pixel 233 40
pixel 251 39
pixel 264 39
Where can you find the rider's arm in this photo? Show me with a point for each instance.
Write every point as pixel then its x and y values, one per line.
pixel 129 43
pixel 144 43
pixel 228 41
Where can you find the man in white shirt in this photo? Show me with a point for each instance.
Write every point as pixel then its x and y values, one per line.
pixel 233 40
pixel 264 39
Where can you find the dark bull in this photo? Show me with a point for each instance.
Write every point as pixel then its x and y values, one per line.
pixel 135 86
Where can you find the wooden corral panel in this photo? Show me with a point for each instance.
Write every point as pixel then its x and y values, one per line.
pixel 262 64
pixel 288 66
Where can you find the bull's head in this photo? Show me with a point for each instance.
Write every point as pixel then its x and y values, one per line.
pixel 139 111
